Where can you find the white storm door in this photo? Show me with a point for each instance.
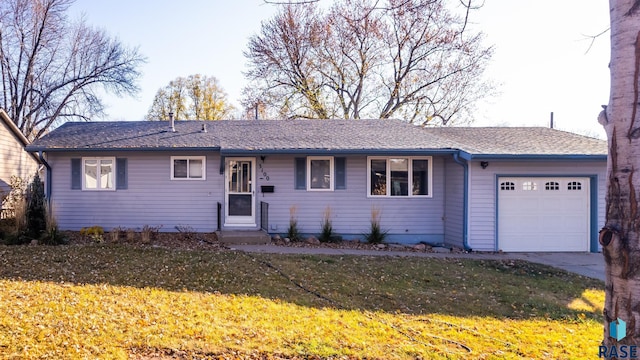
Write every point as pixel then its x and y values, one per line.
pixel 240 192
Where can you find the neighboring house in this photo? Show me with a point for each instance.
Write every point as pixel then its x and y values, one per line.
pixel 486 189
pixel 14 159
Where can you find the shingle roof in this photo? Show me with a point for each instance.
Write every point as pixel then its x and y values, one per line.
pixel 241 135
pixel 520 141
pixel 315 135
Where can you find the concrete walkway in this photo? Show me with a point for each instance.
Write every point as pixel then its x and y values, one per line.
pixel 586 264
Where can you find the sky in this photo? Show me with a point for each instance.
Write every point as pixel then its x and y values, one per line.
pixel 544 60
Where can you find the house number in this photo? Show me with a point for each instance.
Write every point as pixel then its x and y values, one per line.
pixel 264 172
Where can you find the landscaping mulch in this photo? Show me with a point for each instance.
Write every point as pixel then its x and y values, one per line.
pixel 209 241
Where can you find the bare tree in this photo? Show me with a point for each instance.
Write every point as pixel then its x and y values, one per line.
pixel 413 59
pixel 284 65
pixel 52 68
pixel 620 237
pixel 195 97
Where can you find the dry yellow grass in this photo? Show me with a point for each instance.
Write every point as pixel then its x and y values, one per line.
pixel 116 302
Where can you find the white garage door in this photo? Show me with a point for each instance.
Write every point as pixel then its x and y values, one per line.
pixel 543 214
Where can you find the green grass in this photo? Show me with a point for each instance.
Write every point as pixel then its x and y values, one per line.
pixel 118 302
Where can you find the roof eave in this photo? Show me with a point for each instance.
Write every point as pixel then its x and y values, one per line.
pixel 370 152
pixel 536 157
pixel 14 129
pixel 120 149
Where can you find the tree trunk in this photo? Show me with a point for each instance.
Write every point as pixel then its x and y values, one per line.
pixel 620 237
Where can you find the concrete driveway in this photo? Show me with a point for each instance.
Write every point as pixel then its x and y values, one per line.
pixel 586 264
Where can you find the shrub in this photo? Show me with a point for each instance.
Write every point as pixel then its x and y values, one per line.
pixel 94 233
pixel 52 235
pixel 36 208
pixel 293 232
pixel 187 233
pixel 327 234
pixel 20 217
pixel 114 234
pixel 131 235
pixel 149 233
pixel 16 194
pixel 375 235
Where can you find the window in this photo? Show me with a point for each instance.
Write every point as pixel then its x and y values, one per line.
pixel 552 185
pixel 529 186
pixel 320 173
pixel 188 167
pixel 97 173
pixel 574 185
pixel 508 185
pixel 399 176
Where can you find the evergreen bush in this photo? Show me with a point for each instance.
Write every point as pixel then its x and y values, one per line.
pixel 36 213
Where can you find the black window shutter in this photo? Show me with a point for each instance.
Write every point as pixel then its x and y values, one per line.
pixel 300 173
pixel 121 171
pixel 76 174
pixel 340 164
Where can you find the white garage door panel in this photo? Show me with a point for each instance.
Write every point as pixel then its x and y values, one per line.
pixel 543 214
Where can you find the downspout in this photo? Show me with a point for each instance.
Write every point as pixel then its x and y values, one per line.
pixel 49 176
pixel 465 201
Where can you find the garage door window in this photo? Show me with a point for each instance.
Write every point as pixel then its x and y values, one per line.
pixel 574 185
pixel 508 185
pixel 529 186
pixel 552 185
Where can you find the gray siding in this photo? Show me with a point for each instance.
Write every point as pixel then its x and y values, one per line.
pixel 454 204
pixel 482 191
pixel 408 220
pixel 151 198
pixel 14 160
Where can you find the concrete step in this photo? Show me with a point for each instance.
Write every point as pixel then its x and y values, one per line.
pixel 255 237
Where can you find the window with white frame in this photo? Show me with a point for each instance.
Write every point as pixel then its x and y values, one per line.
pixel 188 167
pixel 320 173
pixel 399 176
pixel 98 173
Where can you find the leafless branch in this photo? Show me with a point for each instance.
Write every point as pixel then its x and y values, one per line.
pixel 593 38
pixel 366 59
pixel 51 67
pixel 274 2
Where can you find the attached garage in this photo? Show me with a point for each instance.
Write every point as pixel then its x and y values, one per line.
pixel 543 214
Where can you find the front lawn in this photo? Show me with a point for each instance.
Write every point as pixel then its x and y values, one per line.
pixel 118 302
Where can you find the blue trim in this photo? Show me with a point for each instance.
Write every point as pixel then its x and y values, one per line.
pixel 496 192
pixel 593 204
pixel 465 202
pixel 536 157
pixel 594 214
pixel 410 239
pixel 464 155
pixel 127 149
pixel 49 176
pixel 371 152
pixel 426 151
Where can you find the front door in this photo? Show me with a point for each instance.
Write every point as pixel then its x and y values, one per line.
pixel 240 192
